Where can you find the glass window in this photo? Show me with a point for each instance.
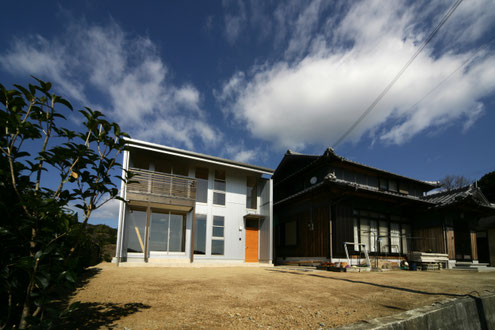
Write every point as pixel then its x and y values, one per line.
pixel 349 176
pixel 159 231
pixel 219 198
pixel 365 233
pixel 167 232
pixel 356 231
pixel 135 231
pixel 394 237
pixel 217 239
pixel 175 241
pixel 251 193
pixel 219 188
pixel 403 188
pixel 406 238
pixel 373 235
pixel 383 184
pixel 201 185
pixel 372 181
pixel 392 186
pixel 361 179
pixel 180 169
pixel 163 165
pixel 200 234
pixel 383 233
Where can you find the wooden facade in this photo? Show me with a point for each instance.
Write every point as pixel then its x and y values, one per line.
pixel 321 202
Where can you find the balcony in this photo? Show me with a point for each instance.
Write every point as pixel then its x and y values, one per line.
pixel 161 188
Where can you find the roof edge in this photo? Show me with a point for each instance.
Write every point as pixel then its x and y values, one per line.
pixel 196 155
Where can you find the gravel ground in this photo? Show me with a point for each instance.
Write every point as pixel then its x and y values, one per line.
pixel 153 298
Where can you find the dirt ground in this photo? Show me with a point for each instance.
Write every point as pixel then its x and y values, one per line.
pixel 151 298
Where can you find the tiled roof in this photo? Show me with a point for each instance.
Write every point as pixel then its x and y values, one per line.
pixel 470 192
pixel 331 152
pixel 354 186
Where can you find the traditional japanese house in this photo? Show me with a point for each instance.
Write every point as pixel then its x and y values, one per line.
pixel 322 202
pixel 185 207
pixel 461 214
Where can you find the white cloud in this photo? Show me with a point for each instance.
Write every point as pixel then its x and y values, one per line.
pixel 239 152
pixel 234 23
pixel 126 70
pixel 336 65
pixel 109 210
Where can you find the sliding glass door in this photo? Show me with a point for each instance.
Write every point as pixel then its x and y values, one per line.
pixel 167 232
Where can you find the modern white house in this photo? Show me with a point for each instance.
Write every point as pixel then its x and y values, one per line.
pixel 186 207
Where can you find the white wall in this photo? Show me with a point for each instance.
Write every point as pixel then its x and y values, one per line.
pixel 233 213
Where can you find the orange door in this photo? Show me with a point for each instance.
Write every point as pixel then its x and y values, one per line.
pixel 251 244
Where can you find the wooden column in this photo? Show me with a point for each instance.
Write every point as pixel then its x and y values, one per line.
pixel 147 234
pixel 192 232
pixel 474 247
pixel 450 242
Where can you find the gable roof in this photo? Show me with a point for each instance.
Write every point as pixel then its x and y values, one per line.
pixel 306 161
pixel 196 156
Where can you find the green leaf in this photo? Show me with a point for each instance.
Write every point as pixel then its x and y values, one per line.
pixel 64 102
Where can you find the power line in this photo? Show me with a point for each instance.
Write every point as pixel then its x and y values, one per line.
pixel 399 74
pixel 469 60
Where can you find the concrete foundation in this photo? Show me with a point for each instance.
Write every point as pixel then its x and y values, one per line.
pixel 470 312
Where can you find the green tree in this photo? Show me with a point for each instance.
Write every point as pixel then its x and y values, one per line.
pixel 487 186
pixel 42 239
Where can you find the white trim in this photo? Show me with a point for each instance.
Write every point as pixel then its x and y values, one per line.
pixel 271 221
pixel 123 193
pixel 180 153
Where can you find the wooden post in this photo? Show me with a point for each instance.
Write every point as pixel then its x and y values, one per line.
pixel 474 247
pixel 147 234
pixel 192 232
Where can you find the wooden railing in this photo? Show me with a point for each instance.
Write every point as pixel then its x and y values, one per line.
pixel 161 184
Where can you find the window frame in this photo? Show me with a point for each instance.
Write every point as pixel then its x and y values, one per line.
pixel 386 220
pixel 218 238
pixel 218 179
pixel 253 193
pixel 199 178
pixel 200 217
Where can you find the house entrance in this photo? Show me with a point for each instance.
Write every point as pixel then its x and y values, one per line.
pixel 462 241
pixel 251 240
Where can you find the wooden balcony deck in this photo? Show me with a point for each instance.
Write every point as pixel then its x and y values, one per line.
pixel 161 188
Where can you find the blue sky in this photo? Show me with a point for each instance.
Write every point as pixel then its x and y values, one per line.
pixel 249 80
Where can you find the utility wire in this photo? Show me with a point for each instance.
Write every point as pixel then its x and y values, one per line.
pixel 390 84
pixel 469 60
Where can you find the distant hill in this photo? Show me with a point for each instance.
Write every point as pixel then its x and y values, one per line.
pixel 105 237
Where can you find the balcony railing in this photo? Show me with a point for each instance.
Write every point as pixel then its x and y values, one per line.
pixel 161 184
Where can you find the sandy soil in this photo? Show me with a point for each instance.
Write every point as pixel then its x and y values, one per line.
pixel 151 298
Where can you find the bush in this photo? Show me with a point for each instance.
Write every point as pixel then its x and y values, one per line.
pixel 44 246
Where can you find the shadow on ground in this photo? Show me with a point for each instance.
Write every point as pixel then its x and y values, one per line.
pixel 94 315
pixel 370 283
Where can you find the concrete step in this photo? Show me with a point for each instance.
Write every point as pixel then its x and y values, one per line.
pixel 469 266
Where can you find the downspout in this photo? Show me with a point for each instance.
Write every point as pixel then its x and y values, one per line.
pixel 123 193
